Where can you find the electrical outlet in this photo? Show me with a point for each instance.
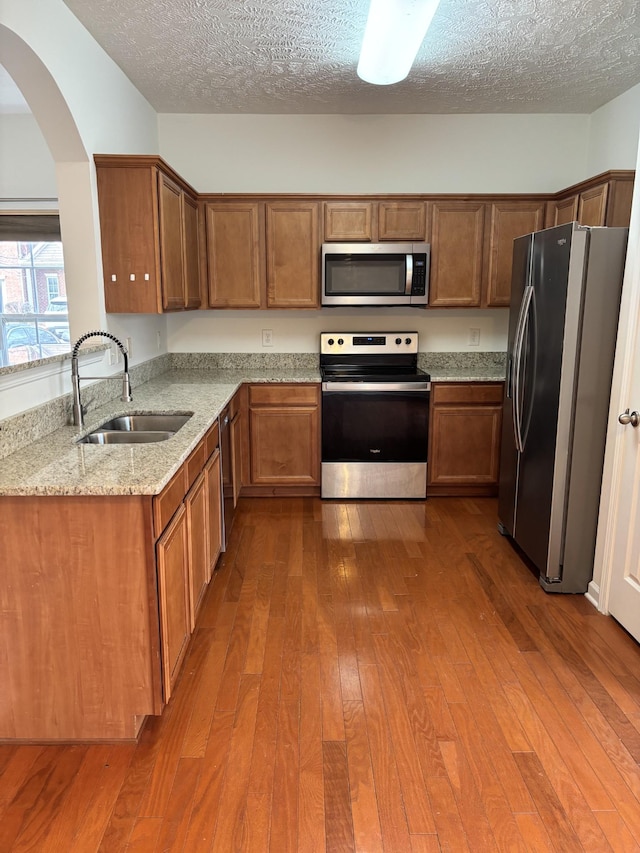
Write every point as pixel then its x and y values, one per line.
pixel 113 354
pixel 267 337
pixel 474 337
pixel 128 346
pixel 158 340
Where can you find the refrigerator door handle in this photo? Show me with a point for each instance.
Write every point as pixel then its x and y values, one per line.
pixel 517 358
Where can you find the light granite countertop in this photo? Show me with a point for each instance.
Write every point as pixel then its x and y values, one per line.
pixel 58 465
pixel 466 374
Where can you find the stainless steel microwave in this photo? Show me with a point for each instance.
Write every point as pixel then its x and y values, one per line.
pixel 375 274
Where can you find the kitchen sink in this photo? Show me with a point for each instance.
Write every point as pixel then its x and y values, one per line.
pixel 137 429
pixel 120 437
pixel 146 423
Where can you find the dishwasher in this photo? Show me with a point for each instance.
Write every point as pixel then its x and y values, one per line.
pixel 228 473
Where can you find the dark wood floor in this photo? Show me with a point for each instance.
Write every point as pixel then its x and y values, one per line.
pixel 379 676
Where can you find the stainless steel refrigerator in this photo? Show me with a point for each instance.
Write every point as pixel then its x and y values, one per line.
pixel 563 323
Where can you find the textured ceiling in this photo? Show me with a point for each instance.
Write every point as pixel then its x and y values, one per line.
pixel 300 56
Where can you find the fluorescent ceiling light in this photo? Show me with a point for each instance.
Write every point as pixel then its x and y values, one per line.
pixel 393 35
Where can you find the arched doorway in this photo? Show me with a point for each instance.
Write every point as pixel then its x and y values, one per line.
pixel 74 177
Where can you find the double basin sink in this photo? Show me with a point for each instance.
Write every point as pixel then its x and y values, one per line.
pixel 137 429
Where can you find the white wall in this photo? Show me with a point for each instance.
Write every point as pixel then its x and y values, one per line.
pixel 376 154
pixel 298 331
pixel 83 104
pixel 613 134
pixel 27 169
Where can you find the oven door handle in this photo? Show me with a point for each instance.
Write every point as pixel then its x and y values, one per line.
pixel 358 387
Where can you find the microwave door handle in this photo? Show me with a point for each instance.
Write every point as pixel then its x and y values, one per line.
pixel 409 278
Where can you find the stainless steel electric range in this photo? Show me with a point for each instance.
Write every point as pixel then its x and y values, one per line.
pixel 375 415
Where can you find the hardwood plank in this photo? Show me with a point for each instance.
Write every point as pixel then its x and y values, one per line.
pixel 206 801
pixel 547 803
pixel 28 819
pixel 338 821
pixel 175 821
pixel 311 803
pixel 362 790
pixel 393 819
pixel 236 782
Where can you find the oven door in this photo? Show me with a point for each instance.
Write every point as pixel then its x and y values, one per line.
pixel 375 439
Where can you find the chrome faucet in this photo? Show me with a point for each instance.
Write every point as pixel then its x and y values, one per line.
pixel 78 409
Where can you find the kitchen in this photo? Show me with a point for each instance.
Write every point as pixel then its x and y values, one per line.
pixel 183 333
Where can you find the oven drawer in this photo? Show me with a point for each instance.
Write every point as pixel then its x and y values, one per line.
pixel 371 426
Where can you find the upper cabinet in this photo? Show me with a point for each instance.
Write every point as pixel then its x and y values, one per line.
pixel 161 240
pixel 603 200
pixel 457 239
pixel 262 254
pixel 293 254
pixel 373 221
pixel 149 233
pixel 235 254
pixel 506 221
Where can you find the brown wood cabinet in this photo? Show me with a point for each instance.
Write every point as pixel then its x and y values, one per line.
pixel 235 252
pixel 354 221
pixel 102 628
pixel 464 438
pixel 507 220
pixel 262 254
pixel 293 254
pixel 173 598
pixel 602 200
pixel 149 234
pixel 457 245
pixel 284 438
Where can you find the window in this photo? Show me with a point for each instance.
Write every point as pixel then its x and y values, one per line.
pixel 32 290
pixel 53 287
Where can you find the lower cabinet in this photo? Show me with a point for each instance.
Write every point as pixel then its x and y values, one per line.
pixel 464 438
pixel 173 597
pixel 284 438
pixel 186 550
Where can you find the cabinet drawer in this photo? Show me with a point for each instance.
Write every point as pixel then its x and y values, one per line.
pixel 168 501
pixel 466 393
pixel 283 395
pixel 195 464
pixel 211 440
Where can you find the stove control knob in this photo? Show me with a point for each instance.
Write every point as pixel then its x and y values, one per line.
pixel 398 340
pixel 330 342
pixel 340 342
pixel 407 341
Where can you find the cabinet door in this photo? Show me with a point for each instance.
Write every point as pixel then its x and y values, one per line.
pixel 293 255
pixel 465 445
pixel 563 211
pixel 404 220
pixel 508 220
pixel 284 446
pixel 235 255
pixel 592 205
pixel 214 509
pixel 127 202
pixel 193 298
pixel 171 242
pixel 198 545
pixel 173 598
pixel 348 220
pixel 456 254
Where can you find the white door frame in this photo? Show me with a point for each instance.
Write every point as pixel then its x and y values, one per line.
pixel 627 360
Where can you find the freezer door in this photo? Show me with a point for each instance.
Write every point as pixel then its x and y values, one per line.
pixel 522 248
pixel 541 492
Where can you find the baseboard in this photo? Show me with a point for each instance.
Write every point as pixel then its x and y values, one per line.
pixel 593 594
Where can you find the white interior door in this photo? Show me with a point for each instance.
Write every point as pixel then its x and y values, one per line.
pixel 618 549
